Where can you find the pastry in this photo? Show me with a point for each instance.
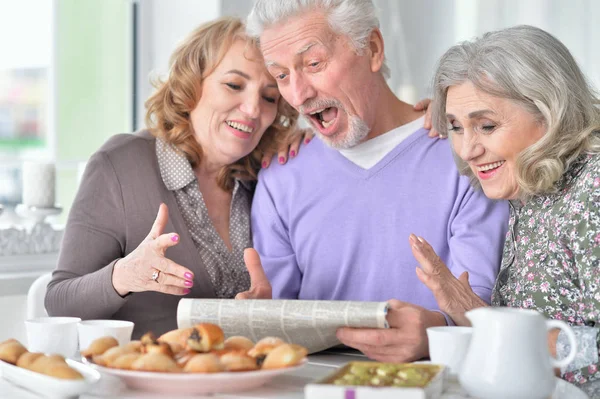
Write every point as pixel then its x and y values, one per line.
pixel 176 338
pixel 181 358
pixel 125 362
pixel 238 343
pixel 111 355
pixel 148 339
pixel 205 337
pixel 265 345
pixel 135 346
pixel 203 363
pixel 238 361
pixel 99 346
pixel 26 359
pixel 45 363
pixel 285 355
pixel 64 372
pixel 11 350
pixel 155 362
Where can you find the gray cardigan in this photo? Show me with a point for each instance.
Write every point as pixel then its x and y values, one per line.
pixel 113 212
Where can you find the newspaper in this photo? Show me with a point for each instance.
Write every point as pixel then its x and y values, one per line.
pixel 311 324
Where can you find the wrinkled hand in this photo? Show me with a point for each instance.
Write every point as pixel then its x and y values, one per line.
pixel 424 105
pixel 260 287
pixel 454 296
pixel 404 341
pixel 134 272
pixel 292 147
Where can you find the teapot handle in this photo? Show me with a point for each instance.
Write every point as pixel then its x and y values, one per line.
pixel 550 324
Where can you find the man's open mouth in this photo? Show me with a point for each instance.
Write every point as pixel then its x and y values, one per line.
pixel 324 117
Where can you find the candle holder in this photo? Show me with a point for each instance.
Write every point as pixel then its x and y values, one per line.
pixel 35 237
pixel 36 214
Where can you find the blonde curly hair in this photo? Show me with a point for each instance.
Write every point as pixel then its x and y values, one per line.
pixel 168 109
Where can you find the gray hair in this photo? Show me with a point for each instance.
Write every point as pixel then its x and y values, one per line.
pixel 537 72
pixel 355 19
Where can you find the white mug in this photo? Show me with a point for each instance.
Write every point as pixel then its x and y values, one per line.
pixel 89 330
pixel 56 335
pixel 449 345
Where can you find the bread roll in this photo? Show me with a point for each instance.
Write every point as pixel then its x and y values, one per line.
pixel 203 363
pixel 176 338
pixel 26 359
pixel 99 346
pixel 155 362
pixel 45 363
pixel 111 355
pixel 238 361
pixel 64 372
pixel 238 343
pixel 285 355
pixel 135 346
pixel 11 350
pixel 265 345
pixel 206 337
pixel 125 362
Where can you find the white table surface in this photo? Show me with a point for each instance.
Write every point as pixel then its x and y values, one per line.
pixel 286 386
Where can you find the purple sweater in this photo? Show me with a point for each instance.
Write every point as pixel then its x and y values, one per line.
pixel 327 229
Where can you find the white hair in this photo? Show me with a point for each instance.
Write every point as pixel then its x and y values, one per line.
pixel 355 19
pixel 537 72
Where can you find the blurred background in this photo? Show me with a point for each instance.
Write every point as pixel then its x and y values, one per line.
pixel 74 72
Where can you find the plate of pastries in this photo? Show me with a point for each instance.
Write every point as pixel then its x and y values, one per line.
pixel 195 360
pixel 46 374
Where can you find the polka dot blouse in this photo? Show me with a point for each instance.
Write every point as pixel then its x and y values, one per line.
pixel 226 268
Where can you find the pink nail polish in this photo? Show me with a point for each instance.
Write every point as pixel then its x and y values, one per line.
pixel 188 276
pixel 281 159
pixel 175 238
pixel 292 153
pixel 188 283
pixel 264 164
pixel 186 291
pixel 306 141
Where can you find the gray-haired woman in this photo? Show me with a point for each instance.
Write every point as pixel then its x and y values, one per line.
pixel 525 126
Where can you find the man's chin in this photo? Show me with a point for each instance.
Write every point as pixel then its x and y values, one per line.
pixel 335 141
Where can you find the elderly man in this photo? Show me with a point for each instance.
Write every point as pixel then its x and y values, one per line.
pixel 334 223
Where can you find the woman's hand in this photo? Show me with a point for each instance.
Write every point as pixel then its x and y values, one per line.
pixel 147 268
pixel 424 105
pixel 454 296
pixel 260 287
pixel 292 147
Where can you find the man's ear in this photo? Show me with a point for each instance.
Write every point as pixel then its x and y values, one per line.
pixel 376 50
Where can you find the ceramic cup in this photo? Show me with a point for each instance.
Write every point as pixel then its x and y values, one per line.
pixel 89 330
pixel 449 345
pixel 53 335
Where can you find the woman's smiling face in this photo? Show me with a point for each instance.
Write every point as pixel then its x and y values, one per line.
pixel 489 133
pixel 238 103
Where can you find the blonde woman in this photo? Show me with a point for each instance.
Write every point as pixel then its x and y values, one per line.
pixel 210 122
pixel 525 126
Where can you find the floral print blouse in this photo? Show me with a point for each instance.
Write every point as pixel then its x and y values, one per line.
pixel 551 262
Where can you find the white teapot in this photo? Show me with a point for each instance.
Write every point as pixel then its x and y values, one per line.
pixel 508 356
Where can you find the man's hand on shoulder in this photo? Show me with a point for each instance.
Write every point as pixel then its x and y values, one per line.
pixel 404 341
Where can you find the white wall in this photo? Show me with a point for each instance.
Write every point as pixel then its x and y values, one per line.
pixel 162 25
pixel 417 33
pixel 14 310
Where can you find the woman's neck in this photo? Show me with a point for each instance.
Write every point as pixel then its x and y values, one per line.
pixel 207 171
